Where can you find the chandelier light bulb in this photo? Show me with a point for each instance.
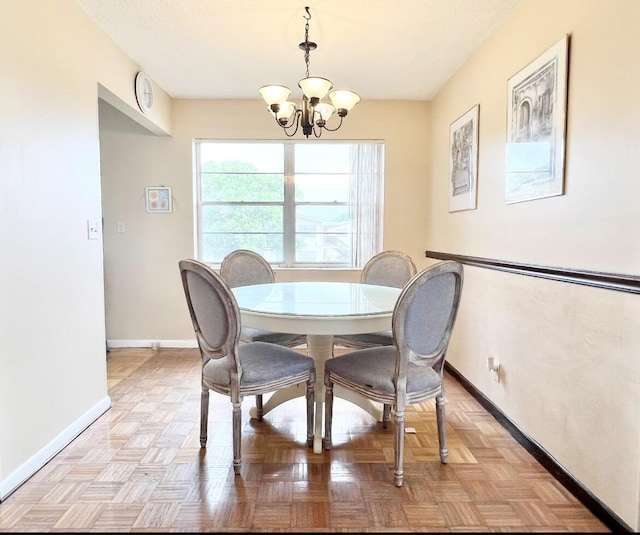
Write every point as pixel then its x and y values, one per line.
pixel 284 113
pixel 325 110
pixel 344 99
pixel 314 87
pixel 274 94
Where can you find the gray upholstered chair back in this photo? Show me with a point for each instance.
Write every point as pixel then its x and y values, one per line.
pixel 243 267
pixel 425 313
pixel 213 309
pixel 388 268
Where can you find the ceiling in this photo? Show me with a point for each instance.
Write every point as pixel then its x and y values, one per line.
pixel 228 49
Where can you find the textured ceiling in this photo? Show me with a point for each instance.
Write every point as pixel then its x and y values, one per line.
pixel 382 49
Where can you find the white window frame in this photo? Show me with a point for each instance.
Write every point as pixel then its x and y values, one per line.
pixel 361 252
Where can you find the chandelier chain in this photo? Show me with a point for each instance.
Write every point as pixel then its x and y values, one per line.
pixel 306 40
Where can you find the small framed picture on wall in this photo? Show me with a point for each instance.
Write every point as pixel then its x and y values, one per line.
pixel 158 199
pixel 463 158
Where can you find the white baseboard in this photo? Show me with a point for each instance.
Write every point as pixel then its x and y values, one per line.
pixel 152 343
pixel 50 450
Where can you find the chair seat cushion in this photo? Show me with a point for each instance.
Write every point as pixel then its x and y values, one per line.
pixel 380 338
pixel 375 367
pixel 262 363
pixel 248 334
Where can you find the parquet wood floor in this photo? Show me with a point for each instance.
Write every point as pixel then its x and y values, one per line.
pixel 140 468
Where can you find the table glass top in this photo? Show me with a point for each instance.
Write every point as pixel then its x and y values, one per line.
pixel 317 299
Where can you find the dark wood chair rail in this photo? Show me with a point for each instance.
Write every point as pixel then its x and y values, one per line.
pixel 598 279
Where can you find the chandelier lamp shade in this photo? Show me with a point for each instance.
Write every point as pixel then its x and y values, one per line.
pixel 312 113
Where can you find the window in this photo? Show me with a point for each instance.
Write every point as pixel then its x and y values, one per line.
pixel 298 204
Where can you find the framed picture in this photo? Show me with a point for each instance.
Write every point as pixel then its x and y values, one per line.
pixel 536 127
pixel 463 159
pixel 158 199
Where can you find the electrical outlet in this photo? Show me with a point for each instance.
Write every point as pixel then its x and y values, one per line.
pixel 494 368
pixel 495 372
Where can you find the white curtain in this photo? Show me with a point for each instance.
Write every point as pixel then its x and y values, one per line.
pixel 366 183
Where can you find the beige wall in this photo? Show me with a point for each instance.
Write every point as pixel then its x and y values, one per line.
pixel 52 363
pixel 569 354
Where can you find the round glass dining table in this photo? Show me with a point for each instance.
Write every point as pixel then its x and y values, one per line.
pixel 320 310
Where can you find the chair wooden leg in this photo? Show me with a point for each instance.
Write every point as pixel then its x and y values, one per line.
pixel 328 411
pixel 442 436
pixel 204 415
pixel 386 415
pixel 310 405
pixel 398 474
pixel 237 436
pixel 259 408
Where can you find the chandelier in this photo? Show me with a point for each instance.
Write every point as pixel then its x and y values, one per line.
pixel 311 113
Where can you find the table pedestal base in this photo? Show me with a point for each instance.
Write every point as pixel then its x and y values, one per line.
pixel 320 348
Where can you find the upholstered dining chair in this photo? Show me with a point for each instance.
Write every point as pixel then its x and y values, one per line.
pixel 243 267
pixel 388 268
pixel 409 371
pixel 233 369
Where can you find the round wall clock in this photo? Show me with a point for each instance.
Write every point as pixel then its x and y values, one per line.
pixel 144 91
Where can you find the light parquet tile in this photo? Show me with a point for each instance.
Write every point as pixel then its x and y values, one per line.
pixel 425 515
pixel 307 515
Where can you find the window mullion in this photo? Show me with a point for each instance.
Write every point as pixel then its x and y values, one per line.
pixel 289 216
pixel 197 216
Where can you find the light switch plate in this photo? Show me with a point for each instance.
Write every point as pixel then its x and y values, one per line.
pixel 93 231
